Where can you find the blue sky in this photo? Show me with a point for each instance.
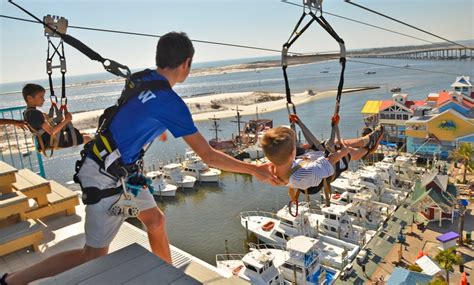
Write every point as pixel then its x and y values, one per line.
pixel 263 23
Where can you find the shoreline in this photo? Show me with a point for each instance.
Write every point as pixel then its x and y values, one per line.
pixel 220 106
pixel 204 107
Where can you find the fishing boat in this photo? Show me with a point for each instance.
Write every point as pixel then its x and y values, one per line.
pixel 369 72
pixel 278 228
pixel 395 89
pixel 300 262
pixel 173 174
pixel 160 186
pixel 194 166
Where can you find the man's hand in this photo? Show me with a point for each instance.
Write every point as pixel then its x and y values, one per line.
pixel 265 173
pixel 68 117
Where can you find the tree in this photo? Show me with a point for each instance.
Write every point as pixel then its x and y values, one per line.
pixel 446 259
pixel 438 281
pixel 464 154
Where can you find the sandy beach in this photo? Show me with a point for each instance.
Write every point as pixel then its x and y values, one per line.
pixel 222 105
pixel 215 105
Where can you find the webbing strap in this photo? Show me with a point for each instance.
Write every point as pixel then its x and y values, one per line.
pixel 335 133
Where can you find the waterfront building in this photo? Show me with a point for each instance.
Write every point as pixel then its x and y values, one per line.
pixel 444 121
pixel 434 197
pixel 392 114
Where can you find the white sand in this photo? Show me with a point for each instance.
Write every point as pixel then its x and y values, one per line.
pixel 222 105
pixel 218 105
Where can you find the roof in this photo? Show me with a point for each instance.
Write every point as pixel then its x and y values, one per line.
pixel 401 276
pixel 419 191
pixel 371 107
pixel 443 97
pixel 301 244
pixel 385 104
pixel 447 236
pixel 427 265
pixel 462 81
pixel 428 177
pixel 468 138
pixel 442 181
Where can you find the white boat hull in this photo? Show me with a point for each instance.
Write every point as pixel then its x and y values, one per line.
pixel 168 191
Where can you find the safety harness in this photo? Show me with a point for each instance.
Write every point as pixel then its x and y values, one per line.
pixel 313 8
pixel 55 25
pixel 103 149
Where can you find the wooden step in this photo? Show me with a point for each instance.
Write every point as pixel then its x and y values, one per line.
pixel 13 204
pixel 24 234
pixel 60 199
pixel 7 177
pixel 33 186
pixel 130 265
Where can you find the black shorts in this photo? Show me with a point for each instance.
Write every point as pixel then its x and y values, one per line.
pixel 65 139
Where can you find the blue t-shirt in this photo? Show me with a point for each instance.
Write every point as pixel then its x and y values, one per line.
pixel 146 116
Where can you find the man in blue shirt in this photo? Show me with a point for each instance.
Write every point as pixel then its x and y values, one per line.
pixel 137 123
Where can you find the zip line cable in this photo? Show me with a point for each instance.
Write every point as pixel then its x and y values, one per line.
pixel 363 23
pixel 406 24
pixel 225 44
pixel 153 36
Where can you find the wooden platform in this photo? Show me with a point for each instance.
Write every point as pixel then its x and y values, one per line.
pixel 130 265
pixel 61 199
pixel 7 177
pixel 67 232
pixel 33 186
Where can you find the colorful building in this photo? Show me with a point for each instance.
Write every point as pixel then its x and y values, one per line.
pixel 430 127
pixel 434 197
pixel 444 121
pixel 392 114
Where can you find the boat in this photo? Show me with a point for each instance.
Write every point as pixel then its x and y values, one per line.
pixel 395 89
pixel 300 262
pixel 370 72
pixel 335 221
pixel 278 228
pixel 173 174
pixel 194 166
pixel 160 186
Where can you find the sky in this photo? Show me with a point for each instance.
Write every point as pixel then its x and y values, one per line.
pixel 262 23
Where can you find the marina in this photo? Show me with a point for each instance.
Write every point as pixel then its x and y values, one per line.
pixel 394 216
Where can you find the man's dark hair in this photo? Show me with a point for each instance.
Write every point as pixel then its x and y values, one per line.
pixel 32 89
pixel 173 49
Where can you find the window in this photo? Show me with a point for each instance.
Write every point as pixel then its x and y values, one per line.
pixel 278 234
pixel 250 267
pixel 333 229
pixel 332 217
pixel 399 116
pixel 291 266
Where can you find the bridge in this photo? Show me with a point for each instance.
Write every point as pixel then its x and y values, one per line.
pixel 438 53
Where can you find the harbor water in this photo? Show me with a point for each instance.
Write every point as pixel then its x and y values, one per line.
pixel 200 220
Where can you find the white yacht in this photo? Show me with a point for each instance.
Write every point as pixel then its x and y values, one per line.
pixel 281 227
pixel 160 186
pixel 297 263
pixel 336 222
pixel 194 166
pixel 366 181
pixel 172 173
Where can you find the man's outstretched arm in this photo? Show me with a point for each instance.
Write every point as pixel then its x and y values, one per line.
pixel 225 162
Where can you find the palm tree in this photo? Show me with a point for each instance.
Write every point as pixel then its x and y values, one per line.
pixel 464 153
pixel 446 259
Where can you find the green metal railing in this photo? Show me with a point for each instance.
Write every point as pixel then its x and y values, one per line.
pixel 17 146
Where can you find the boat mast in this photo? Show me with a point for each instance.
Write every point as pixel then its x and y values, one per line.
pixel 215 127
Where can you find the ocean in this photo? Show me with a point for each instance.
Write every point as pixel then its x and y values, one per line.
pixel 200 220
